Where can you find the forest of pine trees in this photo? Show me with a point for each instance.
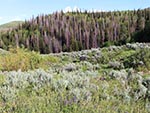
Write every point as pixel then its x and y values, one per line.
pixel 75 31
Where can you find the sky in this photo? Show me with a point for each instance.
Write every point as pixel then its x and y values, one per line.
pixel 14 10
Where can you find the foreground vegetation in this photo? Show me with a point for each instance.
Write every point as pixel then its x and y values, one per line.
pixel 112 79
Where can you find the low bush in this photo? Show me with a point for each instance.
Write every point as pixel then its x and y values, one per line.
pixel 83 86
pixel 25 60
pixel 140 60
pixel 73 92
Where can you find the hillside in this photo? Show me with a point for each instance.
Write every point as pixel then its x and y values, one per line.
pixel 101 80
pixel 79 30
pixel 10 25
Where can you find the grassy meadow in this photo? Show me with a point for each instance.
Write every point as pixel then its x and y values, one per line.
pixel 113 79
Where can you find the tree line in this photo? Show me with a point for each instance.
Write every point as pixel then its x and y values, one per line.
pixel 74 31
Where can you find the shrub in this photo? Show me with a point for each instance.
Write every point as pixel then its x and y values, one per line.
pixel 23 59
pixel 139 60
pixel 115 65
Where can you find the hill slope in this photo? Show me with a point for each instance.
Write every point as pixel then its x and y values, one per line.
pixel 88 81
pixel 10 25
pixel 79 30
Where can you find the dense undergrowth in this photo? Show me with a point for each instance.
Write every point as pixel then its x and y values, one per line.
pixel 113 79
